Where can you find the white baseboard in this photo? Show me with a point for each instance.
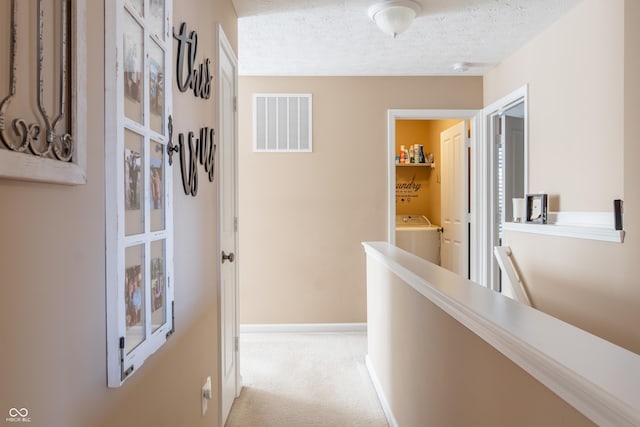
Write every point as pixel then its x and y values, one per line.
pixel 380 392
pixel 303 327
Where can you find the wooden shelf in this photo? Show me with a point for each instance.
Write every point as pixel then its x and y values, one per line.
pixel 413 165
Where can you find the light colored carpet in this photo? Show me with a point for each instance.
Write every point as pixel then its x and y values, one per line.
pixel 305 379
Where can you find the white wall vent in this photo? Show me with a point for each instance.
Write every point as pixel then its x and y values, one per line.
pixel 282 122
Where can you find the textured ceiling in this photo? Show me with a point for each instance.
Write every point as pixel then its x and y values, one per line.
pixel 337 38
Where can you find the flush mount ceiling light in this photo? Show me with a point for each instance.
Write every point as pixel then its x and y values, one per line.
pixel 461 67
pixel 394 16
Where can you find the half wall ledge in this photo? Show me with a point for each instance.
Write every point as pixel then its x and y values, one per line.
pixel 599 379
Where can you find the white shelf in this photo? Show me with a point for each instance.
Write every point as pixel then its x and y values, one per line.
pixel 565 230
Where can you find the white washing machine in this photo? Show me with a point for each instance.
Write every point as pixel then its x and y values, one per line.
pixel 416 234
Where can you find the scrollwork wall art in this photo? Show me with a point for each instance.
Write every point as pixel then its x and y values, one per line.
pixel 36 111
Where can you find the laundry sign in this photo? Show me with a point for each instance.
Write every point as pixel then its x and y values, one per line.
pixel 407 190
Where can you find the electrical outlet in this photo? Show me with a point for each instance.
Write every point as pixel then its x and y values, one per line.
pixel 206 394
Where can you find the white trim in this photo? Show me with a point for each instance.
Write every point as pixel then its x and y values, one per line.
pixel 489 232
pixel 604 387
pixel 224 48
pixel 476 139
pixel 478 201
pixel 386 408
pixel 112 261
pixel 302 328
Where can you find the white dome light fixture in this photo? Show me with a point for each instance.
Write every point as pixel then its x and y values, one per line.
pixel 394 16
pixel 461 67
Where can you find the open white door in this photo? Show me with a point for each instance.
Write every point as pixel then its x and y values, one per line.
pixel 455 199
pixel 227 147
pixel 506 163
pixel 512 146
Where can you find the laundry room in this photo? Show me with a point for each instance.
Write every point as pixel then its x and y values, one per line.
pixel 418 186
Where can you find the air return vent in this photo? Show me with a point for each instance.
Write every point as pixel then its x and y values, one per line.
pixel 282 122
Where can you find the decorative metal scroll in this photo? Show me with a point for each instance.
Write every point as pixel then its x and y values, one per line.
pixel 48 135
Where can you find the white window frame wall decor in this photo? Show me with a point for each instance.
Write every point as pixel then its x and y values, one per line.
pixel 283 134
pixel 24 165
pixel 138 183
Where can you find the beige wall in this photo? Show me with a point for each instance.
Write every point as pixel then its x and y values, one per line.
pixel 436 372
pixel 575 73
pixel 303 216
pixel 52 295
pixel 583 86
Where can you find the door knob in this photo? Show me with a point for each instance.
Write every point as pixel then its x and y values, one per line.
pixel 230 257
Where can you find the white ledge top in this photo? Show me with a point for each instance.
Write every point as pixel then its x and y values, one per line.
pixel 578 225
pixel 597 377
pixel 575 231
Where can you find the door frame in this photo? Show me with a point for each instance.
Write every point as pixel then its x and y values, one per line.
pixel 489 113
pixel 224 47
pixel 478 177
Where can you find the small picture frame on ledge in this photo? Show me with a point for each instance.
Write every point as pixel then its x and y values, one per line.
pixel 536 208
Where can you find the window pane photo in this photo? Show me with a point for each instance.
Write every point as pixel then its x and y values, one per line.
pixel 134 296
pixel 133 183
pixel 158 285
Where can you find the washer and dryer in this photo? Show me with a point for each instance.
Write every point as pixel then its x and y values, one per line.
pixel 416 234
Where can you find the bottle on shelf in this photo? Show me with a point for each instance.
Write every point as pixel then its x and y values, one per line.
pixel 403 159
pixel 421 154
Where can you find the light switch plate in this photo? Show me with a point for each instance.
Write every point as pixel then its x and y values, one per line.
pixel 206 394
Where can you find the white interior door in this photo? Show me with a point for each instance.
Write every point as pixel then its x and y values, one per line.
pixel 513 146
pixel 455 199
pixel 498 164
pixel 227 148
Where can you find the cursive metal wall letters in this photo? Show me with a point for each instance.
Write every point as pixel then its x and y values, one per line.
pixel 201 150
pixel 197 79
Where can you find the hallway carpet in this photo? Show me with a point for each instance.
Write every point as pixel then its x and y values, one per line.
pixel 305 379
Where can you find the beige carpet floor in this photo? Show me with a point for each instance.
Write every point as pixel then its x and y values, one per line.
pixel 305 379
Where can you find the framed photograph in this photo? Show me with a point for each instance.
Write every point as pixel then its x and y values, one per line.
pixel 132 182
pixel 536 208
pixel 156 17
pixel 133 60
pixel 156 87
pixel 156 178
pixel 134 296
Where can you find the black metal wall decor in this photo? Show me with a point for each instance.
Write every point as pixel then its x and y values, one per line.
pixel 201 150
pixel 196 79
pixel 48 135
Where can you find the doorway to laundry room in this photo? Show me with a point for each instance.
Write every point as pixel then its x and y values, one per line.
pixel 430 185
